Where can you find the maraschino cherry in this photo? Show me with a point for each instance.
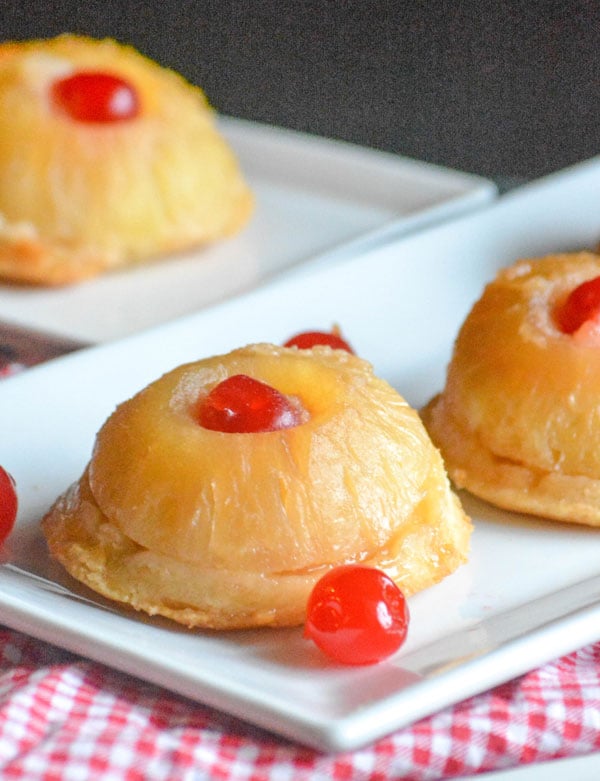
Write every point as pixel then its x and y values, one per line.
pixel 241 404
pixel 8 504
pixel 581 305
pixel 308 339
pixel 357 615
pixel 95 96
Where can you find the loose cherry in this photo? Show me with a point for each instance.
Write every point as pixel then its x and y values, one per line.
pixel 9 361
pixel 241 404
pixel 581 305
pixel 94 96
pixel 308 339
pixel 8 504
pixel 357 615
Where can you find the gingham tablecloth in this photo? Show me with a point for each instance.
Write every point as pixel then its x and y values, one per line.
pixel 64 718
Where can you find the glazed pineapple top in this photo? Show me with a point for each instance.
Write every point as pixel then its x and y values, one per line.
pixel 104 151
pixel 335 486
pixel 526 387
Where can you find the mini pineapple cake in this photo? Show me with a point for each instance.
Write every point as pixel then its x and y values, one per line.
pixel 518 421
pixel 221 493
pixel 106 159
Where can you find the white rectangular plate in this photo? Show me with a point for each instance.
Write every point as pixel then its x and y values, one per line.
pixel 529 593
pixel 312 195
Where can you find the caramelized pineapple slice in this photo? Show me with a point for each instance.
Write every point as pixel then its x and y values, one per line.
pixel 245 523
pixel 518 420
pixel 79 197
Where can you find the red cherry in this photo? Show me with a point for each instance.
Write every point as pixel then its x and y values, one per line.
pixel 91 96
pixel 357 615
pixel 8 504
pixel 308 339
pixel 582 304
pixel 241 404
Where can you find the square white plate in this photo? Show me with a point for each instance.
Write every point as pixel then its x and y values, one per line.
pixel 529 593
pixel 312 195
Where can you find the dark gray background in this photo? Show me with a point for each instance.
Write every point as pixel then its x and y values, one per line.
pixel 509 90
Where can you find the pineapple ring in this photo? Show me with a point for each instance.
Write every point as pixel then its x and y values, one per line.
pixel 518 419
pixel 227 530
pixel 78 198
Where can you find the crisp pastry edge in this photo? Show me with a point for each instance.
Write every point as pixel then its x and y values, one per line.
pixel 34 260
pixel 98 554
pixel 508 484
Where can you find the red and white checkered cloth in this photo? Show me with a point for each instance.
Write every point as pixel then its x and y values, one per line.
pixel 63 718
